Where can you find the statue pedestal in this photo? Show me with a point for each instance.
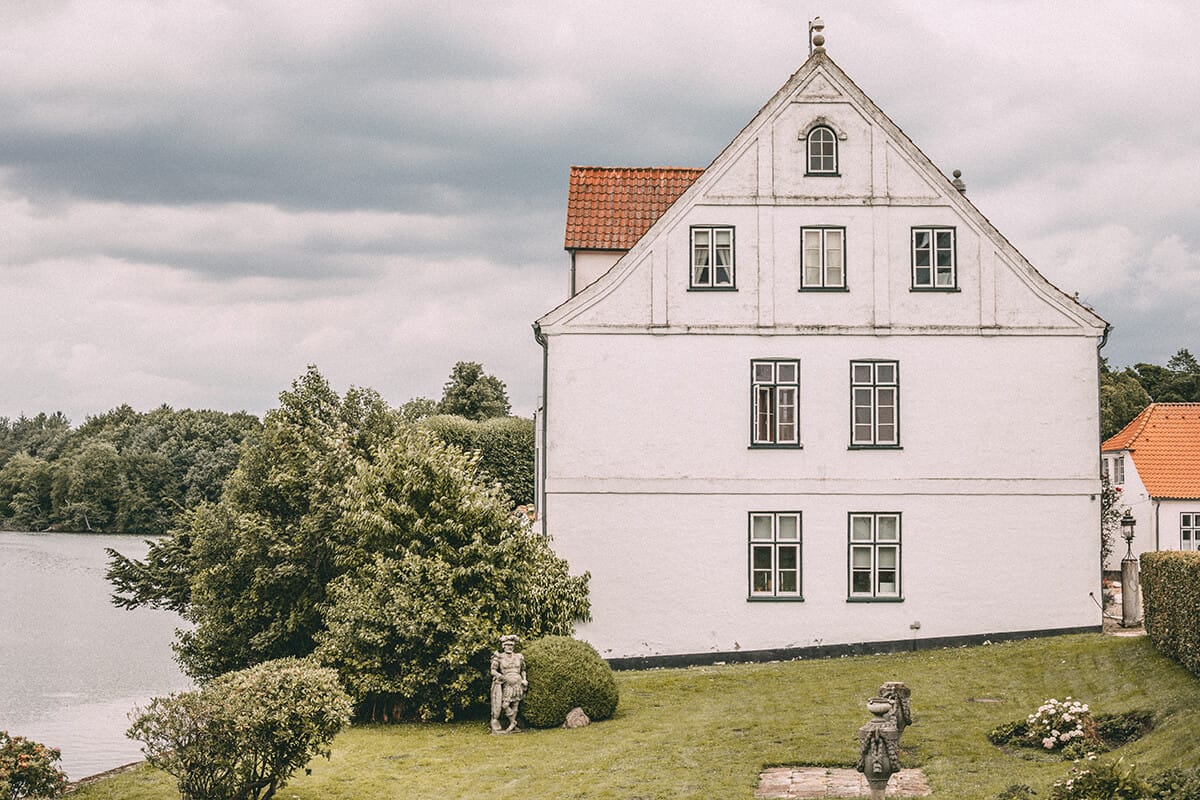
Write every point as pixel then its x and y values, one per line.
pixel 1131 596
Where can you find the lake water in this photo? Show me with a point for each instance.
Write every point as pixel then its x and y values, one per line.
pixel 73 665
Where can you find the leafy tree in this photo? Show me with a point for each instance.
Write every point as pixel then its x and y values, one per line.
pixel 1178 382
pixel 473 394
pixel 122 471
pixel 43 436
pixel 446 569
pixel 241 736
pixel 94 487
pixel 418 409
pixel 505 446
pixel 261 558
pixel 1183 361
pixel 26 483
pixel 1122 398
pixel 337 513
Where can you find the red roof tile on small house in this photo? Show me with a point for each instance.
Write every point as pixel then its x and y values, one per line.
pixel 1164 442
pixel 609 208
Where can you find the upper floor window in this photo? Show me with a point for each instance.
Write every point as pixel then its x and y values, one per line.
pixel 874 556
pixel 775 401
pixel 824 258
pixel 1118 473
pixel 874 404
pixel 775 554
pixel 822 151
pixel 1189 531
pixel 933 262
pixel 712 258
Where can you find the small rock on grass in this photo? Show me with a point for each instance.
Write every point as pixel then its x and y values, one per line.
pixel 576 718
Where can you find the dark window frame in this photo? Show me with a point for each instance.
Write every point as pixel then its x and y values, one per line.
pixel 1192 518
pixel 875 386
pixel 831 142
pixel 933 266
pixel 759 389
pixel 712 285
pixel 874 544
pixel 823 230
pixel 775 544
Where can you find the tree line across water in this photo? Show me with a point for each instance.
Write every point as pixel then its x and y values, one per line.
pixel 126 471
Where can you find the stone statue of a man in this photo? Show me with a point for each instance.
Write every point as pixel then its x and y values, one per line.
pixel 508 684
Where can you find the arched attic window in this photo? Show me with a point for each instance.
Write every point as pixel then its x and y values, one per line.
pixel 822 151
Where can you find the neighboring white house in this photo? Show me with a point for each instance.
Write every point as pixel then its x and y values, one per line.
pixel 809 398
pixel 1155 462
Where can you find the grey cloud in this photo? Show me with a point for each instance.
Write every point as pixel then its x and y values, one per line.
pixel 363 141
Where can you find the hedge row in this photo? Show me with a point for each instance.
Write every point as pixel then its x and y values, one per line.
pixel 504 444
pixel 1171 604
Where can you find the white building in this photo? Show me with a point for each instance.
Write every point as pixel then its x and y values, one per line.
pixel 1155 462
pixel 809 398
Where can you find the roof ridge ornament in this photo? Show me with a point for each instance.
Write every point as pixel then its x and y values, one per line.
pixel 961 185
pixel 816 37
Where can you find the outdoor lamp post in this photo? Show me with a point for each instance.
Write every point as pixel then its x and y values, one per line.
pixel 1130 595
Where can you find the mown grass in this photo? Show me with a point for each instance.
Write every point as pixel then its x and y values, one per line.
pixel 706 732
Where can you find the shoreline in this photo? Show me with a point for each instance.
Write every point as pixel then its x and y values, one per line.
pixel 99 776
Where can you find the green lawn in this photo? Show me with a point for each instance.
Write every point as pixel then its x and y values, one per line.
pixel 705 732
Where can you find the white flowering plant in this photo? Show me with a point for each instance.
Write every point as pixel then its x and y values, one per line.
pixel 1059 723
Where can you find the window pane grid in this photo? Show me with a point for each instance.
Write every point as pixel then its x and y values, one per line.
pixel 712 258
pixel 822 151
pixel 1189 531
pixel 933 260
pixel 775 554
pixel 823 258
pixel 775 402
pixel 874 403
pixel 874 555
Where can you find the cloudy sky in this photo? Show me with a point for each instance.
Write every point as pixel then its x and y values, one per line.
pixel 198 198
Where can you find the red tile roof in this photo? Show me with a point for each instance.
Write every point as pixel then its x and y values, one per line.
pixel 609 208
pixel 1164 441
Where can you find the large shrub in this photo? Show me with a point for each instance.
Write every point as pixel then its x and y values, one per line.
pixel 443 568
pixel 27 769
pixel 1171 604
pixel 242 735
pixel 564 673
pixel 505 446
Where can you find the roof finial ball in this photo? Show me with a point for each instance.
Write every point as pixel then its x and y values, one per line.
pixel 958 182
pixel 816 38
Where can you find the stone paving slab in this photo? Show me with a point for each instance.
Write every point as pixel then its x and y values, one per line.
pixel 812 782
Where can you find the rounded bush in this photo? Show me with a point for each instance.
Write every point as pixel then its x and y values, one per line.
pixel 564 673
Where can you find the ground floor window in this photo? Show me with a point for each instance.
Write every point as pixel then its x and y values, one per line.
pixel 1189 530
pixel 775 549
pixel 874 556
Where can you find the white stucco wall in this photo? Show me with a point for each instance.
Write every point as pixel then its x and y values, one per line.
pixel 591 264
pixel 652 494
pixel 669 573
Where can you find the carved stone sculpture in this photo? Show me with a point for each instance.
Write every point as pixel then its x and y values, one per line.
pixel 898 695
pixel 508 684
pixel 879 739
pixel 878 748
